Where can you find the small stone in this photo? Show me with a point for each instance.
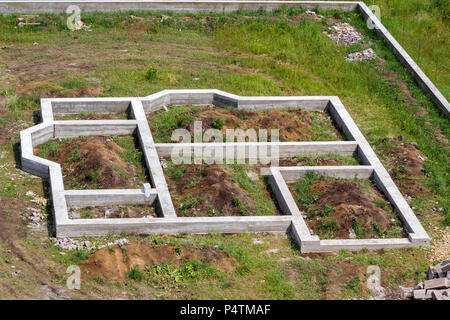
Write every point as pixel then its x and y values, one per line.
pixel 440 283
pixel 419 294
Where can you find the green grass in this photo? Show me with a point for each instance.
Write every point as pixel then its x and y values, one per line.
pixel 263 205
pixel 164 123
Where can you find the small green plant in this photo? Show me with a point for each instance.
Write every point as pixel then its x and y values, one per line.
pixel 380 203
pixel 322 211
pixel 237 202
pixel 218 123
pixel 359 230
pixel 329 225
pixel 135 274
pixel 99 280
pixel 94 175
pixel 151 73
pixel 86 214
pixel 175 172
pixel 189 202
pixel 303 188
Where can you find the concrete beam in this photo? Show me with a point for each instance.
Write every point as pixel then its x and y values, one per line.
pixel 92 198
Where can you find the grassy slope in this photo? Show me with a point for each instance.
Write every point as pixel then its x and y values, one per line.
pixel 242 57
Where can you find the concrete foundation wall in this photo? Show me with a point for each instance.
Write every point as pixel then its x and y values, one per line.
pixel 158 193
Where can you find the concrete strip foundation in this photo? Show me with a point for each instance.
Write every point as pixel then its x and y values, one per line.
pixel 9 7
pixel 157 192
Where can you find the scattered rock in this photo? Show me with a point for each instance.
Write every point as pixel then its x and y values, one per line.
pixel 438 285
pixel 359 56
pixel 256 241
pixel 71 244
pixel 344 33
pixel 253 175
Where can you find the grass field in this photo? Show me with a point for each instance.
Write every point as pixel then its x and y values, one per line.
pixel 139 53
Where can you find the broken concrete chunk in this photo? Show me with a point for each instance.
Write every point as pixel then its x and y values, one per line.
pixel 441 283
pixel 445 266
pixel 419 294
pixel 437 295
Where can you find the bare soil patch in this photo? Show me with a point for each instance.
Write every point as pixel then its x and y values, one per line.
pixel 214 190
pixel 115 262
pixel 346 209
pixel 94 162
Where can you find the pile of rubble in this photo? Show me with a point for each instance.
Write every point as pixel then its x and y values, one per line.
pixel 344 33
pixel 437 286
pixel 71 244
pixel 36 218
pixel 359 56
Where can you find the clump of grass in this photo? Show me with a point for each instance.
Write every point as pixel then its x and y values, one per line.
pixel 174 171
pixel 94 175
pixel 151 73
pixel 135 274
pixel 243 209
pixel 303 190
pixel 86 214
pixel 218 123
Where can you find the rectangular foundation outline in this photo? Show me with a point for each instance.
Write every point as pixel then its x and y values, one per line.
pixel 169 223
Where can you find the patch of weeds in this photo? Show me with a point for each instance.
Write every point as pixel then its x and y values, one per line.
pixel 322 211
pixel 243 209
pixel 119 170
pixel 135 274
pixel 151 73
pixel 380 203
pixel 257 190
pixel 354 285
pixel 212 212
pixel 218 123
pixel 8 189
pixel 174 171
pixel 189 202
pixel 303 189
pixel 322 128
pixel 315 160
pixel 327 227
pixel 86 214
pixel 50 148
pixel 94 175
pixel 99 280
pixel 359 230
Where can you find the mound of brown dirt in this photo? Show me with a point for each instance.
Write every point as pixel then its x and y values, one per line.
pixel 406 167
pixel 94 162
pixel 293 125
pixel 115 262
pixel 213 189
pixel 350 201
